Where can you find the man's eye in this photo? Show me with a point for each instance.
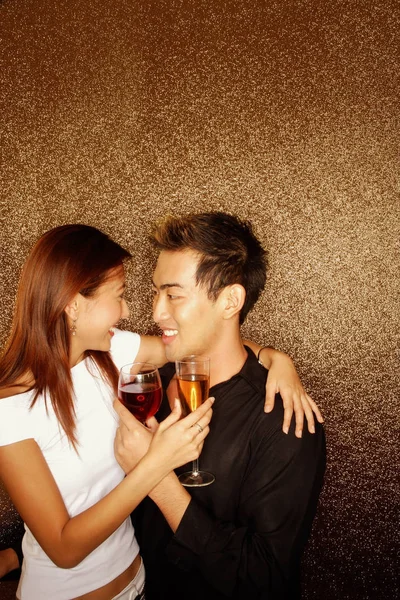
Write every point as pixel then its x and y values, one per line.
pixel 172 297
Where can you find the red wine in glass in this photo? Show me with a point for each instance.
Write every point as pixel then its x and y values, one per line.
pixel 142 400
pixel 139 389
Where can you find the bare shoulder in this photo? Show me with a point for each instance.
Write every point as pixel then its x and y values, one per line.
pixel 14 390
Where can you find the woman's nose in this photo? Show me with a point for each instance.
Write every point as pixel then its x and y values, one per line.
pixel 125 310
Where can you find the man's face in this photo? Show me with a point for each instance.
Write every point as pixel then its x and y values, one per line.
pixel 189 320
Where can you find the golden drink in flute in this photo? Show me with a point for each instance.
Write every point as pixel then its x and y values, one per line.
pixel 193 375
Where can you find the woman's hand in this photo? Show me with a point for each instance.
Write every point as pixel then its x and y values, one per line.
pixel 174 441
pixel 181 441
pixel 283 379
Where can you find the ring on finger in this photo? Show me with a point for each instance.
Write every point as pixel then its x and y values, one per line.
pixel 199 427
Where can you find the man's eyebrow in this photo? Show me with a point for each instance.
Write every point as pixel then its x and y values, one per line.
pixel 164 286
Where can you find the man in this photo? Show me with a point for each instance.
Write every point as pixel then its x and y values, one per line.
pixel 243 535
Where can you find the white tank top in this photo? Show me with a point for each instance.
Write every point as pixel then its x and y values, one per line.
pixel 82 479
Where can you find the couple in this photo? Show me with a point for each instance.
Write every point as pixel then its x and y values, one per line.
pixel 243 535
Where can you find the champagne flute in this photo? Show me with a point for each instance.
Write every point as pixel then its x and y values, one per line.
pixel 140 390
pixel 193 376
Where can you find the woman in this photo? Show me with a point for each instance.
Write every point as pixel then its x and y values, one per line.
pixel 58 378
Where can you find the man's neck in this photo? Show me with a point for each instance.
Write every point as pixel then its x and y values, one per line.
pixel 227 359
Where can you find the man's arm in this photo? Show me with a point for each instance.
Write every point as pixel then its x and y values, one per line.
pixel 172 499
pixel 262 543
pixel 262 549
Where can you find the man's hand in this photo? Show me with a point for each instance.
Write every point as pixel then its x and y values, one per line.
pixel 132 439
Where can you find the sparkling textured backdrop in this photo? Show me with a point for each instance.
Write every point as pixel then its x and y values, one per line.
pixel 286 113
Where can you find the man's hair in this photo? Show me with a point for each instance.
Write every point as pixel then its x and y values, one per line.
pixel 228 250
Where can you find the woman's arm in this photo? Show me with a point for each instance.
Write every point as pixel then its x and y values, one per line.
pixel 68 540
pixel 131 443
pixel 282 379
pixel 151 350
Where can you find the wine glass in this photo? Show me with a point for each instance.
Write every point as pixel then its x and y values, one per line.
pixel 140 390
pixel 193 377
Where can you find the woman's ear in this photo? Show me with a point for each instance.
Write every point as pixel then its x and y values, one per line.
pixel 233 299
pixel 72 309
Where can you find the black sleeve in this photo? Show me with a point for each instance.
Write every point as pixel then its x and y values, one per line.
pixel 259 554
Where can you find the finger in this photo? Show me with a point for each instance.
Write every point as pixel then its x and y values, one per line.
pixel 200 426
pixel 121 410
pixel 152 424
pixel 270 391
pixel 126 419
pixel 299 418
pixel 177 410
pixel 309 415
pixel 116 404
pixel 199 448
pixel 200 412
pixel 118 436
pixel 315 409
pixel 200 436
pixel 172 418
pixel 204 419
pixel 287 417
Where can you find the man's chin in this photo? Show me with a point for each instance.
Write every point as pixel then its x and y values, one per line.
pixel 174 354
pixel 169 353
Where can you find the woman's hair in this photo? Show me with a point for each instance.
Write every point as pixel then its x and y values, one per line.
pixel 66 260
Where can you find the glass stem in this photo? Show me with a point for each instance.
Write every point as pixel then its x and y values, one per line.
pixel 195 467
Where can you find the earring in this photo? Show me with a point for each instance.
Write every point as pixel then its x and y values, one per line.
pixel 73 327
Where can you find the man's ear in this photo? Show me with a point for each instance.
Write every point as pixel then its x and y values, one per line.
pixel 233 299
pixel 72 308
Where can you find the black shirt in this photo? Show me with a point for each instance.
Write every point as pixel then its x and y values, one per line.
pixel 243 535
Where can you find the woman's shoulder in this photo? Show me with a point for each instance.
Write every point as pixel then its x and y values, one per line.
pixel 18 421
pixel 17 389
pixel 22 386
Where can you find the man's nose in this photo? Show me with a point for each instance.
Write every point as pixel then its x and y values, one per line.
pixel 160 312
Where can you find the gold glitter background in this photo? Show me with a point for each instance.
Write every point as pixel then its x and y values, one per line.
pixel 286 113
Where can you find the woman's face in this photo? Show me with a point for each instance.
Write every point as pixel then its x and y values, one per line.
pixel 96 317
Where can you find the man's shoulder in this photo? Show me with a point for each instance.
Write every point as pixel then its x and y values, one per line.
pixel 268 429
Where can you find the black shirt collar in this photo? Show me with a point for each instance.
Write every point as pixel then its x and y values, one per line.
pixel 254 373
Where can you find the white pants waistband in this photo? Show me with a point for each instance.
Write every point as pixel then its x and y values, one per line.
pixel 135 588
